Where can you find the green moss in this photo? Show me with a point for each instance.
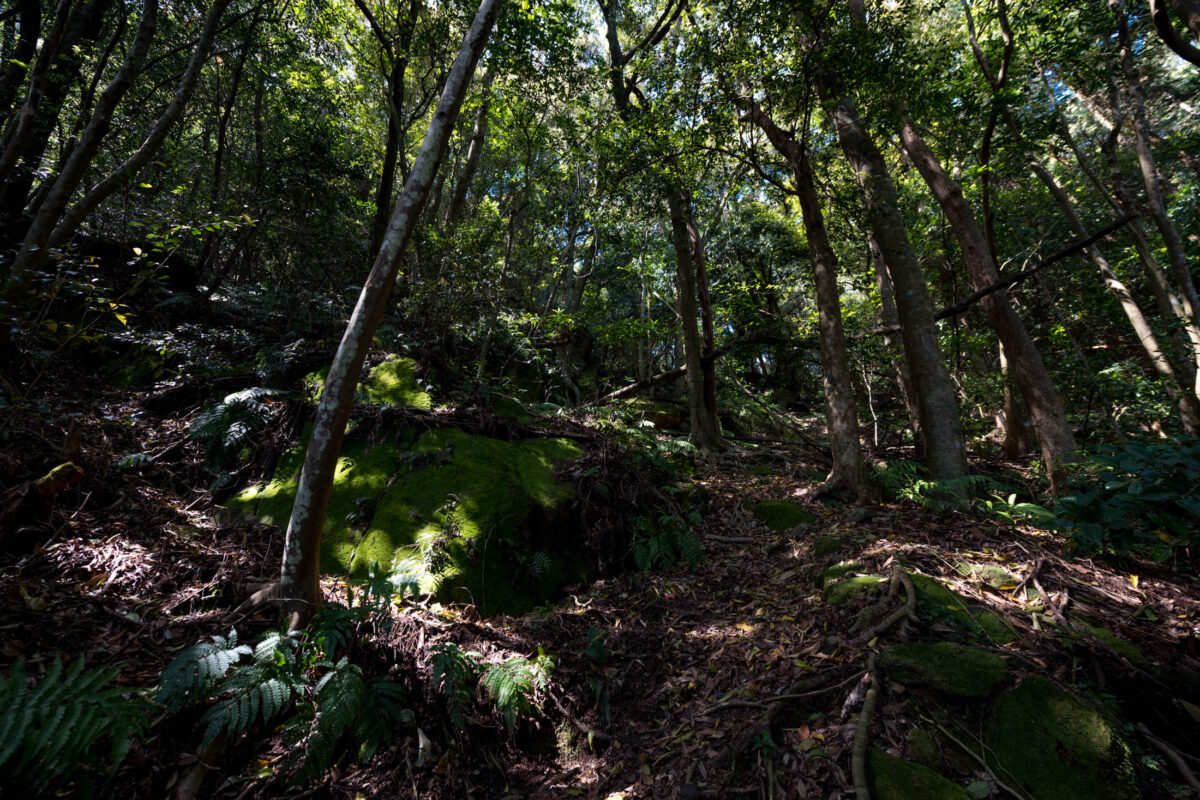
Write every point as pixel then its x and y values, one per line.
pixel 456 509
pixel 392 382
pixel 846 589
pixel 826 546
pixel 780 515
pixel 761 469
pixel 1114 642
pixel 949 668
pixel 924 748
pixel 832 573
pixel 508 407
pixel 894 778
pixel 953 607
pixel 1052 744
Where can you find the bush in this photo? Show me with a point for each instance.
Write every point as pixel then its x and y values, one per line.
pixel 1135 496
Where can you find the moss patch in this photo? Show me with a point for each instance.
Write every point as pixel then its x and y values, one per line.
pixel 1116 643
pixel 392 382
pixel 953 607
pixel 948 668
pixel 826 546
pixel 780 515
pixel 844 589
pixel 463 514
pixel 894 778
pixel 1052 744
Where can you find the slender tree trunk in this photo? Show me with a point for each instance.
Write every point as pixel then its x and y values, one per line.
pixel 945 449
pixel 708 340
pixel 16 66
pixel 1037 388
pixel 458 199
pixel 300 575
pixel 891 319
pixel 127 170
pixel 704 432
pixel 33 252
pixel 1150 175
pixel 848 475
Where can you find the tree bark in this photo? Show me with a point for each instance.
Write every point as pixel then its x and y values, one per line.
pixel 1166 31
pixel 945 450
pixel 848 475
pixel 891 320
pixel 300 575
pixel 479 132
pixel 30 22
pixel 1150 175
pixel 1033 379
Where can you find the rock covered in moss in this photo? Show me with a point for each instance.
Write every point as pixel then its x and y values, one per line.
pixel 780 515
pixel 894 778
pixel 841 584
pixel 470 517
pixel 1055 745
pixel 392 382
pixel 954 608
pixel 949 668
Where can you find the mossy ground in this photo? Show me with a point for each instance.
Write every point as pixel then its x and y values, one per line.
pixel 894 778
pixel 781 515
pixel 1054 744
pixel 451 509
pixel 935 598
pixel 392 382
pixel 948 668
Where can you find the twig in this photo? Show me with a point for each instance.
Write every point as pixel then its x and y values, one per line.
pixel 779 698
pixel 980 759
pixel 858 756
pixel 1050 604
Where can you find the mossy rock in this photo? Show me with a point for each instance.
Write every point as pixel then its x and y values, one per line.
pixel 892 778
pixel 468 516
pixel 839 570
pixel 781 515
pixel 661 414
pixel 826 546
pixel 1115 643
pixel 512 409
pixel 948 668
pixel 1053 744
pixel 392 382
pixel 845 589
pixel 954 608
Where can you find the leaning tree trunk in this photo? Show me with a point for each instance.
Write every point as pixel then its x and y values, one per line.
pixel 1150 175
pixel 848 475
pixel 891 321
pixel 945 449
pixel 1046 411
pixel 300 576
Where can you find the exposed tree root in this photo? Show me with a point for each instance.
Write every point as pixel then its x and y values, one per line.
pixel 858 756
pixel 906 612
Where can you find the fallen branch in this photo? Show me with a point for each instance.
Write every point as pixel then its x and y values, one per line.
pixel 1173 756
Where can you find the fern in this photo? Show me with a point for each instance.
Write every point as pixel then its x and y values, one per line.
pixel 514 686
pixel 257 692
pixel 227 427
pixel 194 672
pixel 659 545
pixel 454 673
pixel 50 732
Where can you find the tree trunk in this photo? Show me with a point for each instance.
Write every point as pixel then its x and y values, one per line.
pixel 848 474
pixel 891 319
pixel 704 432
pixel 458 200
pixel 1150 175
pixel 34 253
pixel 945 450
pixel 301 571
pixel 1037 388
pixel 15 68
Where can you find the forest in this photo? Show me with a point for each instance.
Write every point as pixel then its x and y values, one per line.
pixel 599 398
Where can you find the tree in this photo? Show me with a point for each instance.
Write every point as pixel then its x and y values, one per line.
pixel 300 580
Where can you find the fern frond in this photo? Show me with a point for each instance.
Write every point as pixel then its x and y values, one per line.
pixel 49 732
pixel 196 671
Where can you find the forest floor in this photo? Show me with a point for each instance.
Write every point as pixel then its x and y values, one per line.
pixel 731 678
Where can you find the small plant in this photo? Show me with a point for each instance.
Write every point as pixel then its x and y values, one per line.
pixel 291 678
pixel 1136 496
pixel 226 428
pixel 515 686
pixel 71 727
pixel 597 657
pixel 454 673
pixel 661 542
